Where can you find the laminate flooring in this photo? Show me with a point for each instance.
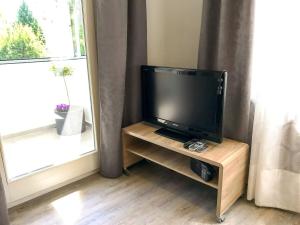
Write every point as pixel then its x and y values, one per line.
pixel 150 195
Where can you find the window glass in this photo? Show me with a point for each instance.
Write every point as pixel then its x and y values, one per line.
pixel 34 29
pixel 46 114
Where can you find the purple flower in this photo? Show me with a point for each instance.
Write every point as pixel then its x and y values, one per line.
pixel 62 108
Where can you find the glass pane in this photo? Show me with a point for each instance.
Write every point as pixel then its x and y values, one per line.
pixel 46 117
pixel 34 29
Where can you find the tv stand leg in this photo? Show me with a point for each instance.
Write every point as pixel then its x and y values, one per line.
pixel 220 219
pixel 231 183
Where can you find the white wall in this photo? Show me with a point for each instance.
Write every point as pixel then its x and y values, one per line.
pixel 173 32
pixel 29 93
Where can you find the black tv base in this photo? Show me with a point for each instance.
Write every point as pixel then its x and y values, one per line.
pixel 173 135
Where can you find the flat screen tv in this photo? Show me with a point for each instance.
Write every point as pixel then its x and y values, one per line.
pixel 186 103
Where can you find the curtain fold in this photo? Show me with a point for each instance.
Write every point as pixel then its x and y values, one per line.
pixel 225 44
pixel 121 49
pixel 274 177
pixel 111 31
pixel 136 56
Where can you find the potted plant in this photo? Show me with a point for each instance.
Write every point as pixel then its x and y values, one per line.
pixel 70 118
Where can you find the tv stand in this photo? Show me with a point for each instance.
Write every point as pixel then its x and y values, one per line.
pixel 230 160
pixel 173 135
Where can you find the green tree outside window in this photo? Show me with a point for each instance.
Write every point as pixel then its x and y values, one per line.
pixel 25 17
pixel 24 39
pixel 19 42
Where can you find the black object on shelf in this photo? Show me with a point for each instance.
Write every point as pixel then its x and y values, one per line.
pixel 202 169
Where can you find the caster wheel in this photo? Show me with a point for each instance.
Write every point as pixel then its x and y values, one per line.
pixel 220 219
pixel 126 172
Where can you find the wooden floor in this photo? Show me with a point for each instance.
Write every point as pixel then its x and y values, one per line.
pixel 150 195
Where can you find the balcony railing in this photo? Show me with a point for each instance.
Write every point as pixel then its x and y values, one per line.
pixel 29 92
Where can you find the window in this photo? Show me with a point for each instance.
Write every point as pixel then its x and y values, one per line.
pixel 46 117
pixel 41 29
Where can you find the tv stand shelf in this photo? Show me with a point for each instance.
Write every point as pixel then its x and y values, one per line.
pixel 230 159
pixel 168 159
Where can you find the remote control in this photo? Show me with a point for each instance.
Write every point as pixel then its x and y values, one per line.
pixel 198 146
pixel 188 143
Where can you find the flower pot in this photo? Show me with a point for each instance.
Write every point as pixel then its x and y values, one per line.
pixel 71 122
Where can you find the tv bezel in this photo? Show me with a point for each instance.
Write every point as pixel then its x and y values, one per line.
pixel 190 132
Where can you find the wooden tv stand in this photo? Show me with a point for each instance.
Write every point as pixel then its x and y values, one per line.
pixel 230 158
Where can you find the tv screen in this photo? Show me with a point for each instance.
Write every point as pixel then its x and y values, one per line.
pixel 188 101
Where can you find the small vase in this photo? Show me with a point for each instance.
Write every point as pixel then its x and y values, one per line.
pixel 71 122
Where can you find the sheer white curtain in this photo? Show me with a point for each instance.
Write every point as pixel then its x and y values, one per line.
pixel 274 178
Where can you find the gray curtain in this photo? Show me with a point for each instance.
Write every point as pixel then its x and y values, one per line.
pixel 3 207
pixel 136 56
pixel 225 44
pixel 120 33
